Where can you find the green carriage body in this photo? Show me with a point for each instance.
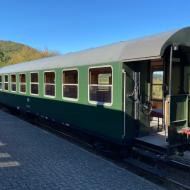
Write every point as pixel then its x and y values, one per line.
pixel 123 119
pixel 92 118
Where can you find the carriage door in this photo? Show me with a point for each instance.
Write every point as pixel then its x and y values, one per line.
pixel 130 104
pixel 135 93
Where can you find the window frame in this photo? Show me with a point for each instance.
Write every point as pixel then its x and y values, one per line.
pixel 21 83
pixel 62 85
pixel 1 89
pixel 34 83
pixel 96 102
pixel 13 82
pixel 6 82
pixel 48 96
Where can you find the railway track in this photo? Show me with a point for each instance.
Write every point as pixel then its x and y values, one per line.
pixel 170 177
pixel 170 174
pixel 164 179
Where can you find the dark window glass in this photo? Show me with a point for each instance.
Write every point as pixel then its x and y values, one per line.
pixel 50 77
pixel 34 77
pixel 22 78
pixel 100 93
pixel 101 76
pixel 6 86
pixel 13 87
pixel 70 91
pixel 13 78
pixel 6 78
pixel 34 88
pixel 70 77
pixel 50 90
pixel 22 88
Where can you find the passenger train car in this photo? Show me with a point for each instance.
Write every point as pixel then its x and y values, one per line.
pixel 131 91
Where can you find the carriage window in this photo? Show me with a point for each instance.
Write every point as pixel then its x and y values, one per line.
pixel 34 83
pixel 49 82
pixel 1 83
pixel 157 83
pixel 6 82
pixel 13 83
pixel 70 84
pixel 22 83
pixel 100 84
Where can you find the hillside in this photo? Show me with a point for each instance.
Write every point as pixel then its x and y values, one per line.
pixel 12 52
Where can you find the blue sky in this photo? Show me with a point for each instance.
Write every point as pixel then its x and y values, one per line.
pixel 71 25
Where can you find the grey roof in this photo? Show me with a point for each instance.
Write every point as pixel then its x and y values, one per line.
pixel 140 49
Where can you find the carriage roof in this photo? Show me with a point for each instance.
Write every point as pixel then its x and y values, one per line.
pixel 151 47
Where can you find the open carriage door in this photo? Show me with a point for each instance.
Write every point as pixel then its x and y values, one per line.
pixel 136 94
pixel 176 102
pixel 131 90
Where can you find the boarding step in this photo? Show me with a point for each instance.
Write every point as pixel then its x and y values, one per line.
pixel 153 142
pixel 144 146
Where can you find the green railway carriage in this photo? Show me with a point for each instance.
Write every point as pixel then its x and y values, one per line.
pixel 114 92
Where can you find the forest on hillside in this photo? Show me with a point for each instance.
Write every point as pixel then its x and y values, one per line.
pixel 12 53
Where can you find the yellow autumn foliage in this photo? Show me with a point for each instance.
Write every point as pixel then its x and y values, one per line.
pixel 28 54
pixel 12 53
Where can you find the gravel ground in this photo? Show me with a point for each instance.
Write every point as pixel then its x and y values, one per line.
pixel 34 159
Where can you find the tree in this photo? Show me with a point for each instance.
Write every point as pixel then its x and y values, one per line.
pixel 4 58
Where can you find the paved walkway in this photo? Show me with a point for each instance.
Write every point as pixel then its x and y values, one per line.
pixel 33 159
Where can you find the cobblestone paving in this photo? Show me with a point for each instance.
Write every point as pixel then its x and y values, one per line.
pixel 33 159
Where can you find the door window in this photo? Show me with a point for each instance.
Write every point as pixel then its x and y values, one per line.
pixel 157 83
